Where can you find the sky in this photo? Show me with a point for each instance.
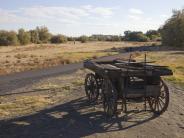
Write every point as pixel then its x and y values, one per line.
pixel 86 17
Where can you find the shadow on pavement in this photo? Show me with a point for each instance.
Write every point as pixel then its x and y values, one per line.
pixel 75 118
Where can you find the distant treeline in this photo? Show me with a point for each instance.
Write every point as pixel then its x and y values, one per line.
pixel 42 35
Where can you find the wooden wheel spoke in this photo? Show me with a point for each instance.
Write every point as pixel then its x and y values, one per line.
pixel 161 101
pixel 152 101
pixel 159 104
pixel 155 104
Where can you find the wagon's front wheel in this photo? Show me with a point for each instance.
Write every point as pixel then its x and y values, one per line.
pixel 109 97
pixel 160 103
pixel 91 87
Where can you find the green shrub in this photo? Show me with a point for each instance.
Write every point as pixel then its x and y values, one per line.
pixel 153 35
pixel 135 36
pixel 83 39
pixel 8 38
pixel 58 39
pixel 70 38
pixel 101 37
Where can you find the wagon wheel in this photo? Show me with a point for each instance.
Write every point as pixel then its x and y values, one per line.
pixel 91 87
pixel 160 103
pixel 109 97
pixel 99 80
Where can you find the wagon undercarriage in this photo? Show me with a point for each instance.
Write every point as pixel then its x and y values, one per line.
pixel 119 81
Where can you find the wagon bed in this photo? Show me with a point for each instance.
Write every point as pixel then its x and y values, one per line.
pixel 125 68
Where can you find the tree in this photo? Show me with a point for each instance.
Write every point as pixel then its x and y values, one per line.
pixel 135 36
pixel 34 36
pixel 58 39
pixel 8 38
pixel 24 37
pixel 44 35
pixel 172 32
pixel 153 35
pixel 116 38
pixel 83 39
pixel 70 38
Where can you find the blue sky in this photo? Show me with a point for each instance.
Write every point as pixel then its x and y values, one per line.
pixel 79 17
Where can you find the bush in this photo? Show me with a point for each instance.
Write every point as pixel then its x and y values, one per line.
pixel 116 38
pixel 24 37
pixel 101 37
pixel 83 39
pixel 153 35
pixel 135 36
pixel 58 39
pixel 70 38
pixel 44 35
pixel 173 31
pixel 8 38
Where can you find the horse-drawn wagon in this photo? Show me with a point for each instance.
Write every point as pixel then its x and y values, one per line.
pixel 119 81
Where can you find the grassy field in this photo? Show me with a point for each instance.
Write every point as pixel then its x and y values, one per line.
pixel 173 59
pixel 21 58
pixel 45 93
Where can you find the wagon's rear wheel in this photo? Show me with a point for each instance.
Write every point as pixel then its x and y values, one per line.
pixel 109 97
pixel 160 103
pixel 91 87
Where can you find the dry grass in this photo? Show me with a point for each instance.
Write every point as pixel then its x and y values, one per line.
pixel 23 105
pixel 21 58
pixel 47 93
pixel 173 59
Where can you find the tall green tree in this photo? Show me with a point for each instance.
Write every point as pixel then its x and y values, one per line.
pixel 24 37
pixel 173 30
pixel 34 36
pixel 44 35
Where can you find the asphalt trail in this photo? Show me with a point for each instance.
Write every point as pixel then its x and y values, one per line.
pixel 10 82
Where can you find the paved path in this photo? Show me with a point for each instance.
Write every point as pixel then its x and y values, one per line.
pixel 17 80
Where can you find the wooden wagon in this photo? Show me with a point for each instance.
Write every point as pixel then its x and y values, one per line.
pixel 119 81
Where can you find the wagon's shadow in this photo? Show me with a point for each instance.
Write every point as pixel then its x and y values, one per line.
pixel 72 119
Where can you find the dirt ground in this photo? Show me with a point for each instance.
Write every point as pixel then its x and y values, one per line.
pixel 57 107
pixel 21 58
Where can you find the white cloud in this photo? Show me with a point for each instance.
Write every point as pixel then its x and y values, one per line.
pixel 87 7
pixel 54 12
pixel 104 12
pixel 135 14
pixel 67 13
pixel 136 11
pixel 11 17
pixel 60 14
pixel 134 17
